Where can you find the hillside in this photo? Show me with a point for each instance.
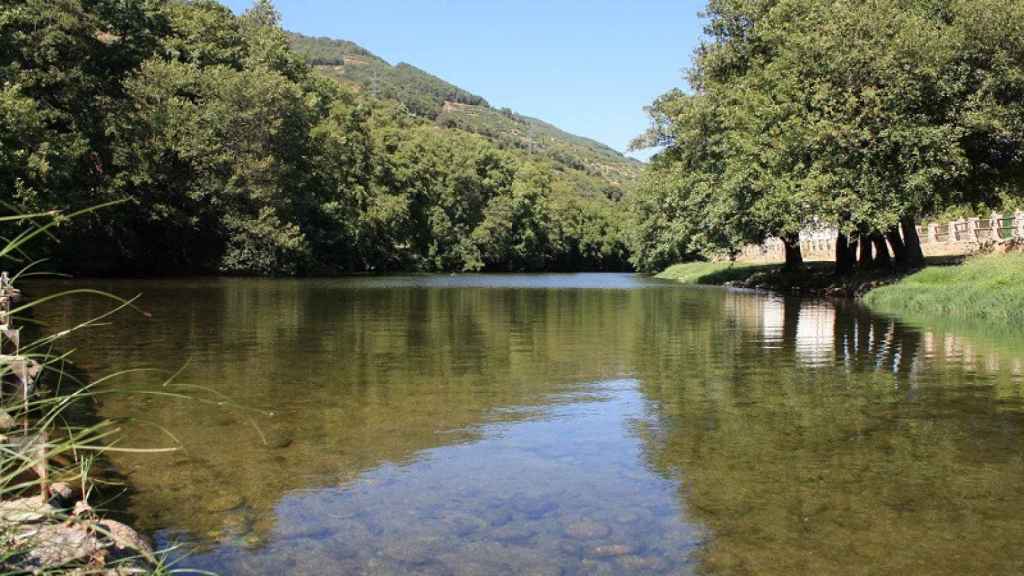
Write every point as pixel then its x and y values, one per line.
pixel 422 93
pixel 433 98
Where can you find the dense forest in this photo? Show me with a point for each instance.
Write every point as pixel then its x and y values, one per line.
pixel 236 147
pixel 233 151
pixel 859 116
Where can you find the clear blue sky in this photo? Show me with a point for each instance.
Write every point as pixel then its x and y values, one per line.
pixel 587 66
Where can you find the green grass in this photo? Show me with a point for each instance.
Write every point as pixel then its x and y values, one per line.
pixel 814 278
pixel 983 289
pixel 713 272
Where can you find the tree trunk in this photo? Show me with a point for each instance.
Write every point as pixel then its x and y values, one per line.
pixel 882 259
pixel 914 254
pixel 794 255
pixel 844 259
pixel 866 260
pixel 899 250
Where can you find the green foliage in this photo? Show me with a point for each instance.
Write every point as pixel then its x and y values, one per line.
pixel 422 93
pixel 604 170
pixel 235 158
pixel 856 116
pixel 597 168
pixel 704 272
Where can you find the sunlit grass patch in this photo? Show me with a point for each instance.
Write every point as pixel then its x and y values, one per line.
pixel 713 272
pixel 984 289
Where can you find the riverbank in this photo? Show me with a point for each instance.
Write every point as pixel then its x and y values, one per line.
pixel 47 522
pixel 814 279
pixel 982 288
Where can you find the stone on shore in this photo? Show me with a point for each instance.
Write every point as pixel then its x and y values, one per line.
pixel 124 538
pixel 24 511
pixel 54 545
pixel 44 541
pixel 6 421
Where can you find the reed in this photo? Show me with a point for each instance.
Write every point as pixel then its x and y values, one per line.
pixel 47 454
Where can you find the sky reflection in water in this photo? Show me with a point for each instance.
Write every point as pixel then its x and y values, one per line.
pixel 563 424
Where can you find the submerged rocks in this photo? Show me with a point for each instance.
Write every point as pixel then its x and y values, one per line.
pixel 586 529
pixel 277 440
pixel 610 550
pixel 641 564
pixel 460 524
pixel 535 508
pixel 224 502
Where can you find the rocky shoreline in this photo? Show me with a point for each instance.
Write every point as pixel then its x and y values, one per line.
pixel 49 527
pixel 41 537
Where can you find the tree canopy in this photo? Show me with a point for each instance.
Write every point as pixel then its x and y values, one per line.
pixel 237 158
pixel 859 116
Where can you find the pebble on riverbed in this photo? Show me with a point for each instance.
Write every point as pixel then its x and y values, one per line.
pixel 610 550
pixel 587 530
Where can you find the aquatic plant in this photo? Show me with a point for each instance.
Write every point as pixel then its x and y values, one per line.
pixel 51 514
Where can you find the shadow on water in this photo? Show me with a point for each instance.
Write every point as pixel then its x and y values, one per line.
pixel 564 424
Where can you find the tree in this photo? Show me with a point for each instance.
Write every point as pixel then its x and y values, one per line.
pixel 859 116
pixel 236 158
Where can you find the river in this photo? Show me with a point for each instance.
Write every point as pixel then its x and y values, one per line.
pixel 553 424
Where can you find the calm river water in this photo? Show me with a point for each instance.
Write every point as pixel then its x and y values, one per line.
pixel 556 424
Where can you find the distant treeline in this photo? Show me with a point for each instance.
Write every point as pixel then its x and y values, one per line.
pixel 861 116
pixel 236 158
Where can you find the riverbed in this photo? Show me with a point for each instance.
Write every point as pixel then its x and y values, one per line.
pixel 553 424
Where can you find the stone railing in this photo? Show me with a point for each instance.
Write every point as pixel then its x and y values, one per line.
pixel 963 235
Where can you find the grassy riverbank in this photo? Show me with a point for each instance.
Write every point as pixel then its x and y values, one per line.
pixel 981 289
pixel 815 278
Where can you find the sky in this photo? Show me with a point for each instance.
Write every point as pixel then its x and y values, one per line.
pixel 586 66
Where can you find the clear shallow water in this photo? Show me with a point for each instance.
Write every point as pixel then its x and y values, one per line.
pixel 559 424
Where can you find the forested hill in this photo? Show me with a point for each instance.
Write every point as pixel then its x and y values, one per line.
pixel 422 93
pixel 433 98
pixel 215 147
